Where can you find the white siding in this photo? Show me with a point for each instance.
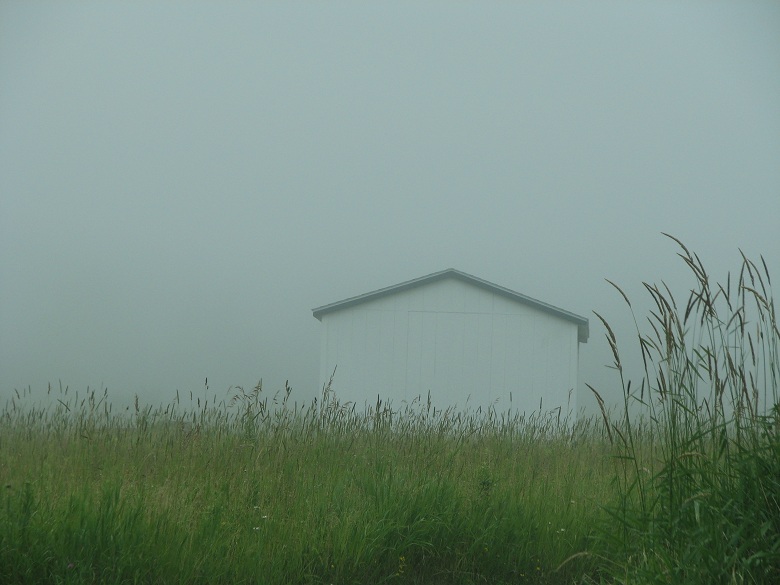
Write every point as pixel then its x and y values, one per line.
pixel 468 346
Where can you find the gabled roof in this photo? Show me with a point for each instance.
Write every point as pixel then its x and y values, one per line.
pixel 581 322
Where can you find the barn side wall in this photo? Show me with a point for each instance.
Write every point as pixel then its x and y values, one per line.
pixel 469 347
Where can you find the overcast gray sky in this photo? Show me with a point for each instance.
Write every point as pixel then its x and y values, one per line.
pixel 182 182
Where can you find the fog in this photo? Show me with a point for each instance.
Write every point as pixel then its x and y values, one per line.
pixel 182 182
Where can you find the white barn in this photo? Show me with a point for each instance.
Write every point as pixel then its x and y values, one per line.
pixel 468 342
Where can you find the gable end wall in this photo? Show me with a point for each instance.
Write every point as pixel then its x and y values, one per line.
pixel 468 346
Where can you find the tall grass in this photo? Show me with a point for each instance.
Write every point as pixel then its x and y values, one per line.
pixel 257 489
pixel 699 438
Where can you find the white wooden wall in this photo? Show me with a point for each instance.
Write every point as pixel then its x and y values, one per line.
pixel 468 346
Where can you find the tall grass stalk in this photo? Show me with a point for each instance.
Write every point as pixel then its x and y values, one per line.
pixel 699 438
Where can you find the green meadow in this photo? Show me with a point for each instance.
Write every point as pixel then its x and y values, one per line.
pixel 681 485
pixel 259 492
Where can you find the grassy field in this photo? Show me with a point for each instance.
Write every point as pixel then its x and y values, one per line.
pixel 264 493
pixel 256 489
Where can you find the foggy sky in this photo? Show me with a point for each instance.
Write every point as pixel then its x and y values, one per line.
pixel 182 182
